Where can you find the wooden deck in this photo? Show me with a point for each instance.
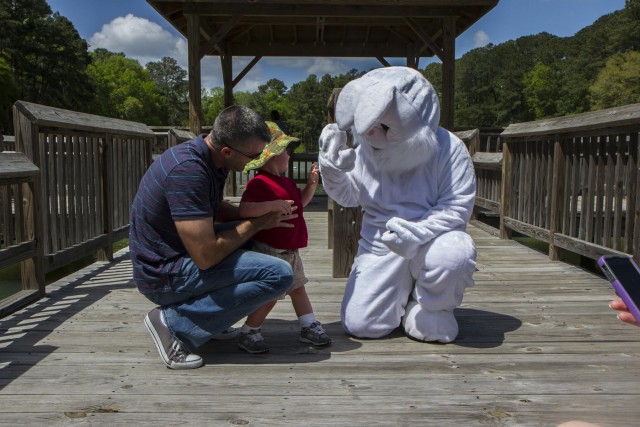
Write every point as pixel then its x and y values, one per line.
pixel 538 345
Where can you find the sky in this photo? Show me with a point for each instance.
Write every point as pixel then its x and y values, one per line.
pixel 135 28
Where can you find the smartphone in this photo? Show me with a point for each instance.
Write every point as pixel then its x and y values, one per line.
pixel 624 275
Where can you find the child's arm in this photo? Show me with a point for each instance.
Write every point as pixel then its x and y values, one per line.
pixel 254 209
pixel 312 182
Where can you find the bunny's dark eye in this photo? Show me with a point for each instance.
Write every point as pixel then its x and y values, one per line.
pixel 385 127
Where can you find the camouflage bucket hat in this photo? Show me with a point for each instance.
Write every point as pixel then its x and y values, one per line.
pixel 279 143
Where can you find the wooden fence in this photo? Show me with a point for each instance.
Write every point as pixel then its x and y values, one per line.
pixel 18 241
pixel 90 167
pixel 573 182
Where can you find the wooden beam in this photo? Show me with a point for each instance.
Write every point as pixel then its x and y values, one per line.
pixel 448 73
pixel 425 47
pixel 320 30
pixel 195 100
pixel 336 10
pixel 246 69
pixel 218 37
pixel 337 49
pixel 437 50
pixel 226 62
pixel 383 61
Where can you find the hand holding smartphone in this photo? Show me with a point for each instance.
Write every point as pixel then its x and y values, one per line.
pixel 624 275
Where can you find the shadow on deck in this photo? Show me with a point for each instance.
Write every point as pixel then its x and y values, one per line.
pixel 538 345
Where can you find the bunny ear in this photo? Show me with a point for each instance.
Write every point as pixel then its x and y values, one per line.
pixel 346 104
pixel 372 105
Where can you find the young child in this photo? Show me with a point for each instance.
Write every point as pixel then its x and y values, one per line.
pixel 269 190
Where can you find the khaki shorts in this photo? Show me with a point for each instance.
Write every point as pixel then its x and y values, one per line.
pixel 292 257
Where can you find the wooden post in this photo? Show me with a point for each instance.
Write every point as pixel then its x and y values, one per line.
pixel 27 141
pixel 634 145
pixel 448 72
pixel 226 62
pixel 343 223
pixel 105 253
pixel 195 100
pixel 505 233
pixel 347 223
pixel 557 196
pixel 230 186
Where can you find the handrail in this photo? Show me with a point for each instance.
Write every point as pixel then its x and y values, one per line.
pixel 90 167
pixel 17 244
pixel 573 182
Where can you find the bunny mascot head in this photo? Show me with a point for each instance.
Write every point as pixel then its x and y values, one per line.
pixel 416 185
pixel 391 111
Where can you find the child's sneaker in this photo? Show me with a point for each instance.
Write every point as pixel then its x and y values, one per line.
pixel 314 334
pixel 252 341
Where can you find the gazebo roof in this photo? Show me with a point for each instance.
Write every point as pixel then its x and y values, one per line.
pixel 330 28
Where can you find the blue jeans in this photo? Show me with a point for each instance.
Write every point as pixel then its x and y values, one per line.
pixel 203 303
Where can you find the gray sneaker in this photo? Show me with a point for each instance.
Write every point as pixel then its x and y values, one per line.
pixel 171 351
pixel 252 341
pixel 314 334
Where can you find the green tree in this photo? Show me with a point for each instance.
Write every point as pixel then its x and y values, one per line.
pixel 618 83
pixel 587 53
pixel 7 95
pixel 540 89
pixel 307 109
pixel 124 89
pixel 212 104
pixel 171 79
pixel 47 57
pixel 633 6
pixel 269 96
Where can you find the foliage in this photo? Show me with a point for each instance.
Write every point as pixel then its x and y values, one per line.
pixel 618 83
pixel 633 6
pixel 7 94
pixel 540 89
pixel 212 102
pixel 538 76
pixel 124 89
pixel 47 57
pixel 172 82
pixel 42 59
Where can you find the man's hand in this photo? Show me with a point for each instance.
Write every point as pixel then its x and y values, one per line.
pixel 274 219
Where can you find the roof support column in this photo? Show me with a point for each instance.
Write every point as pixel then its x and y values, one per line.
pixel 226 63
pixel 195 100
pixel 448 72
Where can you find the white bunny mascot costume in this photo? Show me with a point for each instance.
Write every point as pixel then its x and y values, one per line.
pixel 416 185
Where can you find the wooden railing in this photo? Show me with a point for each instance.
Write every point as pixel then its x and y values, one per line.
pixel 573 182
pixel 485 150
pixel 299 167
pixel 18 233
pixel 7 143
pixel 90 167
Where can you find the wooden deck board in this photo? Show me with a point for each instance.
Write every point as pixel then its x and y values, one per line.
pixel 538 345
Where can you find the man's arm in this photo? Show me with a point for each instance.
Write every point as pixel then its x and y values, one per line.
pixel 227 212
pixel 254 209
pixel 207 248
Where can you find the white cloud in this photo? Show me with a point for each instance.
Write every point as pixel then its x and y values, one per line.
pixel 140 39
pixel 289 62
pixel 480 39
pixel 322 66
